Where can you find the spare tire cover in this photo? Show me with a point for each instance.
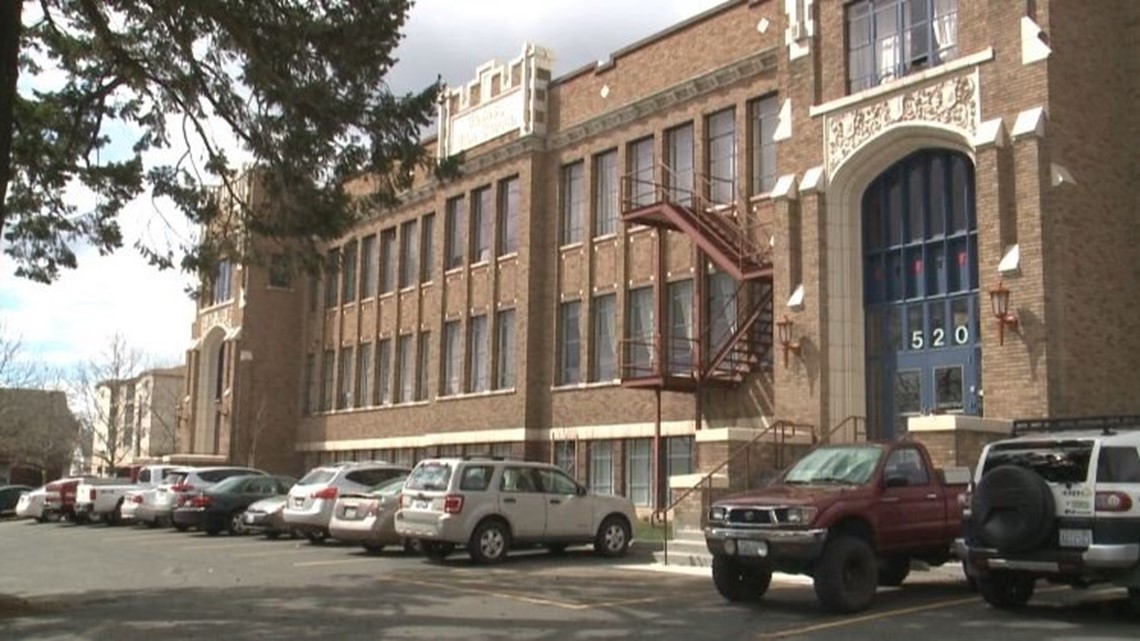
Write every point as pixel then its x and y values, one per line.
pixel 1012 509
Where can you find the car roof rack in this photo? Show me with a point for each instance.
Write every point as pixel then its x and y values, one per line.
pixel 1106 424
pixel 483 457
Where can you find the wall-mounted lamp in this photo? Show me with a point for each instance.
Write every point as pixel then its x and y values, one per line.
pixel 999 301
pixel 784 334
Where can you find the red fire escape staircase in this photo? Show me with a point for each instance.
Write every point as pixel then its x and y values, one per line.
pixel 726 233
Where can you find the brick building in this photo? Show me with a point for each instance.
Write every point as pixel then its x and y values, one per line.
pixel 777 212
pixel 135 420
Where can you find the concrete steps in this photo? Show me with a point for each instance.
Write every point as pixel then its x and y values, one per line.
pixel 687 549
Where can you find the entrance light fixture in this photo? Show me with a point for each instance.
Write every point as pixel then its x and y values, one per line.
pixel 784 329
pixel 999 301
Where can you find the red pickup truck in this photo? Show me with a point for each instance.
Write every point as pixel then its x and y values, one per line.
pixel 851 516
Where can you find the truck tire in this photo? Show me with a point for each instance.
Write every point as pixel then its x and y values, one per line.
pixel 489 542
pixel 1012 509
pixel 893 571
pixel 847 576
pixel 1134 601
pixel 1006 590
pixel 612 538
pixel 116 514
pixel 739 582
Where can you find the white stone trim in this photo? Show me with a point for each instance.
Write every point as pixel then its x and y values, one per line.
pixel 1061 175
pixel 958 423
pixel 815 179
pixel 783 122
pixel 991 133
pixel 1030 122
pixel 785 188
pixel 1033 48
pixel 689 481
pixel 422 440
pixel 796 300
pixel 1010 262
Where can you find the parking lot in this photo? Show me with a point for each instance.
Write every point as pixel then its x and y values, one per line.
pixel 61 581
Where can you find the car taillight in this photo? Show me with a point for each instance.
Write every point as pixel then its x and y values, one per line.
pixel 453 503
pixel 91 494
pixel 137 499
pixel 201 501
pixel 1112 502
pixel 327 493
pixel 182 487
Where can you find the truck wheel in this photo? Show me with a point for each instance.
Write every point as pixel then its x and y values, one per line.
pixel 116 514
pixel 1006 590
pixel 893 571
pixel 1134 601
pixel 489 542
pixel 847 575
pixel 740 582
pixel 612 539
pixel 373 548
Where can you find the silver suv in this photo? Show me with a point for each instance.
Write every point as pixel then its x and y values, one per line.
pixel 491 505
pixel 1059 501
pixel 309 506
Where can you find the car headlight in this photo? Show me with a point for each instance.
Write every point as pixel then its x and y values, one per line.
pixel 801 515
pixel 718 513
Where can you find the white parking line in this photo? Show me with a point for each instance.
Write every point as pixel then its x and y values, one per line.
pixel 304 564
pixel 257 555
pixel 217 546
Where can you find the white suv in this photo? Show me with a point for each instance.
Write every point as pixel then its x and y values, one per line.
pixel 490 505
pixel 1059 501
pixel 309 506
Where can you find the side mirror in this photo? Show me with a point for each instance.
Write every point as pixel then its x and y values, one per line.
pixel 895 480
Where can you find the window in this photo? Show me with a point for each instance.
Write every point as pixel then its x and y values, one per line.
pixel 364 376
pixel 424 350
pixel 566 456
pixel 368 267
pixel 314 292
pixel 763 115
pixel 455 232
pixel 908 464
pixel 387 261
pixel 280 273
pixel 573 203
pixel 555 482
pixel 384 371
pixel 508 216
pixel 328 372
pixel 642 187
pixel 452 357
pixel 344 398
pixel 887 39
pixel 476 478
pixel 722 156
pixel 409 255
pixel 681 327
pixel 309 394
pixel 332 277
pixel 481 212
pixel 638 471
pixel 505 350
pixel 602 467
pixel 478 352
pixel 679 173
pixel 427 252
pixel 641 346
pixel 603 365
pixel 222 285
pixel 348 282
pixel 605 193
pixel 405 357
pixel 679 455
pixel 570 357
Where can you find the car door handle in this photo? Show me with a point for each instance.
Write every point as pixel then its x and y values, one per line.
pixel 931 496
pixel 555 501
pixel 508 500
pixel 890 499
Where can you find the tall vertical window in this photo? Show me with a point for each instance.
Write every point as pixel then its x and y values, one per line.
pixel 365 395
pixel 678 459
pixel 222 283
pixel 309 392
pixel 280 272
pixel 679 173
pixel 505 349
pixel 348 280
pixel 479 352
pixel 314 292
pixel 681 327
pixel 641 330
pixel 566 457
pixel 508 216
pixel 387 260
pixel 888 39
pixel 602 467
pixel 427 252
pixel 482 210
pixel 455 232
pixel 570 343
pixel 328 374
pixel 406 359
pixel 762 116
pixel 642 185
pixel 409 254
pixel 639 471
pixel 573 202
pixel 422 368
pixel 368 267
pixel 384 371
pixel 452 357
pixel 344 399
pixel 722 156
pixel 605 193
pixel 332 277
pixel 603 316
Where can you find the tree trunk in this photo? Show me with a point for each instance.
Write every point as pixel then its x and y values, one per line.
pixel 10 26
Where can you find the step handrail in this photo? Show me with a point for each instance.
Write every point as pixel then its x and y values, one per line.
pixel 853 418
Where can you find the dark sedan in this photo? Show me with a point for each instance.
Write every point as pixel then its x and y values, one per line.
pixel 220 506
pixel 10 496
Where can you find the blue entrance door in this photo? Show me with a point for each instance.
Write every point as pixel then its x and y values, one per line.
pixel 921 291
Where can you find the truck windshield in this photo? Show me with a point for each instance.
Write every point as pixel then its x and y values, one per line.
pixel 845 465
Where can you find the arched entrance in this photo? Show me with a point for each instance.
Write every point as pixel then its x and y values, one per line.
pixel 920 290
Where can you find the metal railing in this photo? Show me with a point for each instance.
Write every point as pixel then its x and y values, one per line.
pixel 859 422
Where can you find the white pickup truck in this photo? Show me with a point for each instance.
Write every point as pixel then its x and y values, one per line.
pixel 102 499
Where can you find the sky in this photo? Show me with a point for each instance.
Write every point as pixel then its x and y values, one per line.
pixel 72 320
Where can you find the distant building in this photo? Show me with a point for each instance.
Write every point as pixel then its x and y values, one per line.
pixel 38 435
pixel 136 420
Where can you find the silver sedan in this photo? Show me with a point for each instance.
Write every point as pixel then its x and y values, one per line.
pixel 369 518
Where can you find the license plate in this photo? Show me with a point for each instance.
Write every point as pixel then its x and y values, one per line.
pixel 298 502
pixel 350 512
pixel 421 505
pixel 745 547
pixel 1074 538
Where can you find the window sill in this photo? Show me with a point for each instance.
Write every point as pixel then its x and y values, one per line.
pixel 467 396
pixel 578 387
pixel 216 306
pixel 605 237
pixel 508 256
pixel 570 246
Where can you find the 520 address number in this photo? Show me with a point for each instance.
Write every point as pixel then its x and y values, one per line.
pixel 938 338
